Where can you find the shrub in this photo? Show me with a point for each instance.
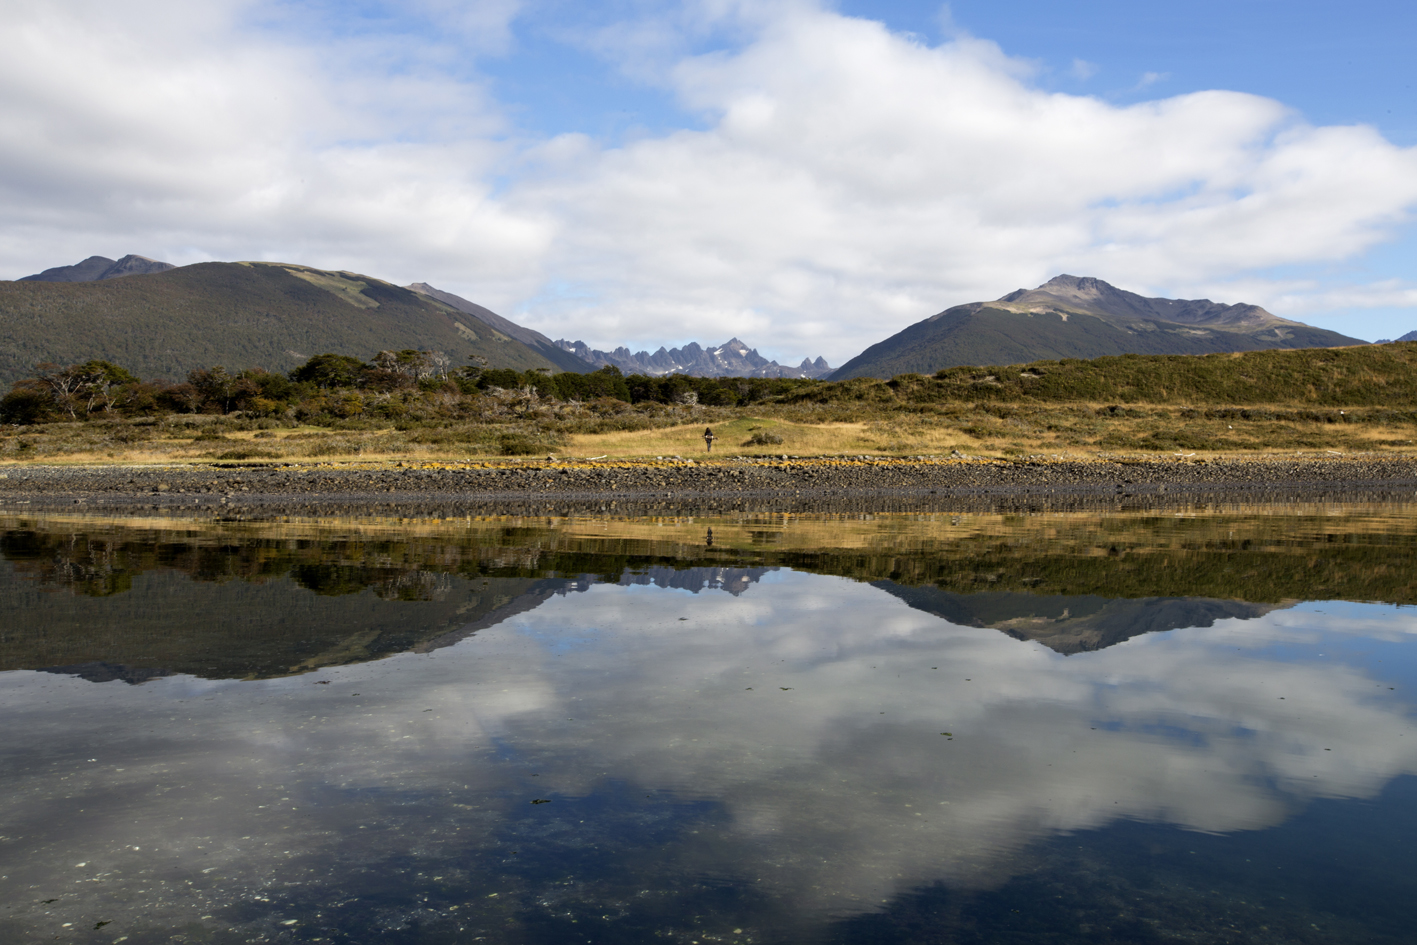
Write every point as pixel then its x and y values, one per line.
pixel 518 444
pixel 763 438
pixel 331 370
pixel 25 406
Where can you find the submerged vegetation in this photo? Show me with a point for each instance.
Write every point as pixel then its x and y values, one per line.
pixel 416 403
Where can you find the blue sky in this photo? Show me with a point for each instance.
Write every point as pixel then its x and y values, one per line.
pixel 1338 64
pixel 809 176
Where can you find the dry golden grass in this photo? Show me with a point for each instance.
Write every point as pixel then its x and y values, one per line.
pixel 1073 431
pixel 798 439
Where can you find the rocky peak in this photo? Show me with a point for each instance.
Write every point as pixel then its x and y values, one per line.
pixel 733 358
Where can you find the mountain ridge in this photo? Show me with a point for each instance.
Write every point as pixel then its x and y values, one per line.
pixel 1079 317
pixel 1098 297
pixel 535 340
pixel 733 358
pixel 96 268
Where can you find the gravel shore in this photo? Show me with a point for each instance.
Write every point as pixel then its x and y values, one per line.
pixel 685 486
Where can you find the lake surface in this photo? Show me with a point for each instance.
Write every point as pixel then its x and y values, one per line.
pixel 1130 727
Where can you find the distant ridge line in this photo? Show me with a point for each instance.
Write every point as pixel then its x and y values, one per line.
pixel 96 268
pixel 733 358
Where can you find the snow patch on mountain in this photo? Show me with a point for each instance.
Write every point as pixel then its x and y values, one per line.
pixel 733 358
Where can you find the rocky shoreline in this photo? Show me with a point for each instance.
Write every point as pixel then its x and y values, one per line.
pixel 547 487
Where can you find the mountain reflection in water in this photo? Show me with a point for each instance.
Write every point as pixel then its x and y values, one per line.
pixel 731 749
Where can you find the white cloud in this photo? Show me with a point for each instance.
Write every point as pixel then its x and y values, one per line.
pixel 854 181
pixel 184 132
pixel 847 181
pixel 1301 298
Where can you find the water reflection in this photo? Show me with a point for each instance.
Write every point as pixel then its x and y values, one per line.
pixel 761 749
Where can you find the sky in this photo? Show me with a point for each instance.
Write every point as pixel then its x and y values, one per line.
pixel 810 176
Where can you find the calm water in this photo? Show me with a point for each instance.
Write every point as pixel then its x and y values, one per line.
pixel 1046 729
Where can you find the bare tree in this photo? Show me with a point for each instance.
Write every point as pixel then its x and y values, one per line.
pixel 63 385
pixel 84 386
pixel 409 362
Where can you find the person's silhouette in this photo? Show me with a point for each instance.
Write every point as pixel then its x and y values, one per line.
pixel 708 439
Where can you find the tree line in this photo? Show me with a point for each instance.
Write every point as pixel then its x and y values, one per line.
pixel 338 385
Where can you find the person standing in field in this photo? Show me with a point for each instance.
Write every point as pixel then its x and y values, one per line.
pixel 708 439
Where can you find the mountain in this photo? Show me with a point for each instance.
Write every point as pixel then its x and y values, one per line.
pixel 100 267
pixel 534 340
pixel 1072 624
pixel 238 315
pixel 695 579
pixel 733 358
pixel 1079 317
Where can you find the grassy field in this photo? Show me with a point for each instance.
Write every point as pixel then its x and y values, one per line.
pixel 1359 400
pixel 1071 431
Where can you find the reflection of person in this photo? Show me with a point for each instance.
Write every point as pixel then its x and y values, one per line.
pixel 708 439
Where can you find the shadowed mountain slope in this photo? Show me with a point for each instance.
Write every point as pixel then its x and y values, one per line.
pixel 1079 317
pixel 534 340
pixel 238 315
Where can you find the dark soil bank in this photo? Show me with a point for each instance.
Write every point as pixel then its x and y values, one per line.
pixel 806 485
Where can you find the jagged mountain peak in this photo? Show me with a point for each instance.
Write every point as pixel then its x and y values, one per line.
pixel 1080 283
pixel 1080 288
pixel 733 358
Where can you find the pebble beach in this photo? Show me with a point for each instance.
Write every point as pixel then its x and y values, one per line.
pixel 569 486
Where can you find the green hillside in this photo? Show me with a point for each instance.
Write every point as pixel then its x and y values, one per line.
pixel 534 340
pixel 238 315
pixel 1361 375
pixel 982 334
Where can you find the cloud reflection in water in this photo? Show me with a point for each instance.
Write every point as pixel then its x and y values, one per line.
pixel 806 713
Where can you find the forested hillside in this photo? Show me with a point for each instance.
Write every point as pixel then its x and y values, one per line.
pixel 237 315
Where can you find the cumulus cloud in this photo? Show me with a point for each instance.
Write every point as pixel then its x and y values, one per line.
pixel 855 180
pixel 839 181
pixel 190 132
pixel 841 788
